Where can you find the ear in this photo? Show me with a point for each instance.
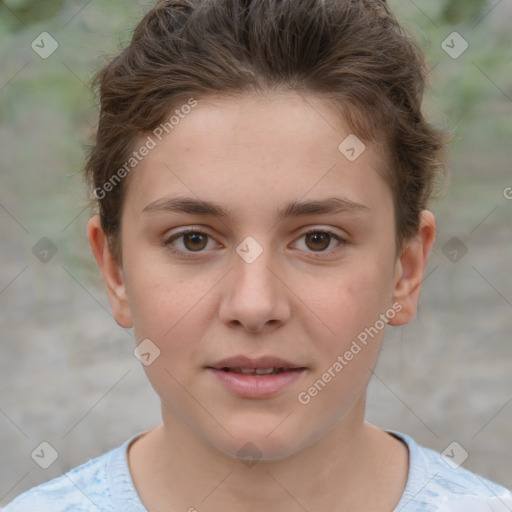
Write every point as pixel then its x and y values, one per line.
pixel 410 269
pixel 111 271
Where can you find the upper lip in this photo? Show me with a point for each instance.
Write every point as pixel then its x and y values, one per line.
pixel 245 362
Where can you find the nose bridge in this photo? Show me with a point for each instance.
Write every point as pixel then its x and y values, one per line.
pixel 252 274
pixel 254 296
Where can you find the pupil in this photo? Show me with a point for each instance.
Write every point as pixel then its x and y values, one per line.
pixel 194 241
pixel 322 238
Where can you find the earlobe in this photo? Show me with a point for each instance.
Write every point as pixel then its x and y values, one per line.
pixel 410 269
pixel 111 271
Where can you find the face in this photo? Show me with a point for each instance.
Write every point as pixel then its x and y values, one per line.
pixel 226 269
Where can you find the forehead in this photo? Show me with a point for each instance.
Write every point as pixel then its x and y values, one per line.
pixel 254 148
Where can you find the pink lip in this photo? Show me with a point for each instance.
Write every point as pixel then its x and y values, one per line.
pixel 255 386
pixel 242 361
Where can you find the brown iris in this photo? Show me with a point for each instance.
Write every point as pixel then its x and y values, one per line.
pixel 318 241
pixel 195 241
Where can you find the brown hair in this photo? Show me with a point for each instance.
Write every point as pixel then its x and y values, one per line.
pixel 352 51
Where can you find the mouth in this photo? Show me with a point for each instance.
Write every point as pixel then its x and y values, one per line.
pixel 265 365
pixel 263 377
pixel 257 371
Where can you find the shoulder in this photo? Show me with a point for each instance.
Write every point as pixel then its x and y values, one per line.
pixel 435 479
pixel 90 486
pixel 75 490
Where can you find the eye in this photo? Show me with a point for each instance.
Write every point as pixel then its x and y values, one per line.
pixel 191 241
pixel 320 240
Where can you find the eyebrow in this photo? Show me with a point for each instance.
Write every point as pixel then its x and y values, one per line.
pixel 291 209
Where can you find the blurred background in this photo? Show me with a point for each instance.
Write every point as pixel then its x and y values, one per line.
pixel 67 371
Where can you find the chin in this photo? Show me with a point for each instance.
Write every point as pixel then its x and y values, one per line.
pixel 262 440
pixel 250 452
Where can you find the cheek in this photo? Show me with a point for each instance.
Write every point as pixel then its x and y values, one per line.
pixel 350 305
pixel 170 311
pixel 350 300
pixel 159 298
pixel 170 306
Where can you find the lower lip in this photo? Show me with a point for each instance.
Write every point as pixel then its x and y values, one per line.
pixel 252 386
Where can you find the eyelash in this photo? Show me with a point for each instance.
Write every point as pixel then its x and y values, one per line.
pixel 192 254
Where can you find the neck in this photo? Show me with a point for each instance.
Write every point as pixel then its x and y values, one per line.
pixel 344 469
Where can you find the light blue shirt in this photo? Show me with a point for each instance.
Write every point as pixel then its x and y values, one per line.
pixel 105 484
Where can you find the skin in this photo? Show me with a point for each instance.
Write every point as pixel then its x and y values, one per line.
pixel 301 300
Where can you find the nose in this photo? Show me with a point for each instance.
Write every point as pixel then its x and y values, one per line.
pixel 254 297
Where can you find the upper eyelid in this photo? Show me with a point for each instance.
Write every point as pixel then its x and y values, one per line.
pixel 188 230
pixel 178 234
pixel 204 231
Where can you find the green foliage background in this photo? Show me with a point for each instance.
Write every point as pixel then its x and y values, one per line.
pixel 47 112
